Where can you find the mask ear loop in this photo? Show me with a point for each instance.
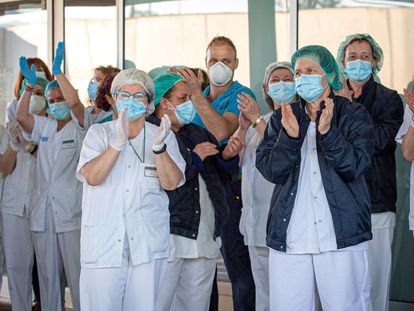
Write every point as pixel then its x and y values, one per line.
pixel 327 83
pixel 171 106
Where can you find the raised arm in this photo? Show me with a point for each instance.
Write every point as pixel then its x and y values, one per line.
pixel 350 156
pixel 279 151
pixel 221 126
pixel 168 172
pixel 23 116
pixel 97 170
pixel 69 93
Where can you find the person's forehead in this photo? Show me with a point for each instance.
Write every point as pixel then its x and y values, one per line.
pixel 359 47
pixel 54 93
pixel 99 75
pixel 37 87
pixel 132 88
pixel 220 50
pixel 306 62
pixel 281 72
pixel 180 87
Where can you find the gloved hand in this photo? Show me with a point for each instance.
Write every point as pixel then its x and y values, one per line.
pixel 28 73
pixel 162 133
pixel 57 62
pixel 119 139
pixel 12 129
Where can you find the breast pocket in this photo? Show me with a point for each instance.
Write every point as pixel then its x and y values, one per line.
pixel 68 148
pixel 149 177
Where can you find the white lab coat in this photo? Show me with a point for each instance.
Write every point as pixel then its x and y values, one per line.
pixel 17 238
pixel 257 193
pixel 55 178
pixel 55 212
pixel 400 135
pixel 134 187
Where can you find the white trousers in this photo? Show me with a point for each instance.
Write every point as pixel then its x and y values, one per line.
pixel 126 288
pixel 55 253
pixel 342 278
pixel 19 254
pixel 379 258
pixel 187 285
pixel 259 259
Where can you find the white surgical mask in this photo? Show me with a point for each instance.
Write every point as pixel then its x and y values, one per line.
pixel 220 74
pixel 37 104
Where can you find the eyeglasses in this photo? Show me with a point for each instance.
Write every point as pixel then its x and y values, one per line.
pixel 125 95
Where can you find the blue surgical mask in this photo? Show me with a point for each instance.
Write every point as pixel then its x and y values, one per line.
pixel 309 87
pixel 41 74
pixel 93 89
pixel 282 92
pixel 358 70
pixel 185 112
pixel 59 111
pixel 135 107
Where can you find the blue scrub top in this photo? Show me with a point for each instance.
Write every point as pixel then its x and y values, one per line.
pixel 226 102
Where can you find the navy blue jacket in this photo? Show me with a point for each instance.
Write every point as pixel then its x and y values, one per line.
pixel 386 110
pixel 344 154
pixel 184 205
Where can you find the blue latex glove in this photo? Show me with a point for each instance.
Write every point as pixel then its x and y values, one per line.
pixel 57 62
pixel 29 74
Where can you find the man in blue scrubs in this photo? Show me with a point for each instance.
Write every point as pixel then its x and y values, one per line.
pixel 217 111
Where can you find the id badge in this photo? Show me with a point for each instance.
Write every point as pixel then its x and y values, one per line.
pixel 150 171
pixel 68 144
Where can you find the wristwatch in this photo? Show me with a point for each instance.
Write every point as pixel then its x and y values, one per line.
pixel 258 120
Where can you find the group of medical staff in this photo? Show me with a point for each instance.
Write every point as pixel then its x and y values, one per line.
pixel 129 201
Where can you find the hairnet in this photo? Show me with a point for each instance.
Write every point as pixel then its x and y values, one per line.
pixel 376 50
pixel 163 83
pixel 155 72
pixel 326 61
pixel 131 77
pixel 39 81
pixel 268 71
pixel 51 86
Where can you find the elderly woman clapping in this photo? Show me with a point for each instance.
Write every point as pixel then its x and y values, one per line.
pixel 125 165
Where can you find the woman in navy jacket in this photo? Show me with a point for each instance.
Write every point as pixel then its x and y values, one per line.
pixel 316 151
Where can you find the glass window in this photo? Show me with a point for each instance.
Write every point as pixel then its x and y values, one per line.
pixel 389 22
pixel 23 32
pixel 282 23
pixel 168 33
pixel 90 40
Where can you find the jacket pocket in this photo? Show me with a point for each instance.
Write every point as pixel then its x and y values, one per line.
pixel 91 244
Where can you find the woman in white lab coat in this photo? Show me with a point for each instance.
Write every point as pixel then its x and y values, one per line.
pixel 17 164
pixel 55 210
pixel 125 165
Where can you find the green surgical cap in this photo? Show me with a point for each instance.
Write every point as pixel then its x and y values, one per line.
pixel 39 81
pixel 51 86
pixel 163 83
pixel 376 50
pixel 321 56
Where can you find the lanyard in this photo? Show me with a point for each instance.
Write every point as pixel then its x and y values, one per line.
pixel 143 148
